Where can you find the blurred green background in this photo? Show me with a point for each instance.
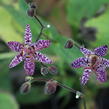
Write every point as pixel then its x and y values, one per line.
pixel 85 21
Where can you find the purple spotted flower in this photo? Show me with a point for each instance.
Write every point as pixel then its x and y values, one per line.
pixel 29 52
pixel 93 62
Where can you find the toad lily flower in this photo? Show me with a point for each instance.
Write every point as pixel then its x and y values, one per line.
pixel 93 62
pixel 29 52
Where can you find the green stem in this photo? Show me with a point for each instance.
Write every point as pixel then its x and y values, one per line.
pixel 58 83
pixel 76 44
pixel 84 103
pixel 42 27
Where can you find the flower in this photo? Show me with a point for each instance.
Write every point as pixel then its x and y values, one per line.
pixel 29 52
pixel 93 62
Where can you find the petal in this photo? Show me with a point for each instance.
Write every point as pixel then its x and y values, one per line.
pixel 42 58
pixel 101 51
pixel 40 44
pixel 15 46
pixel 17 59
pixel 80 62
pixel 101 74
pixel 85 76
pixel 29 65
pixel 28 35
pixel 86 51
pixel 105 62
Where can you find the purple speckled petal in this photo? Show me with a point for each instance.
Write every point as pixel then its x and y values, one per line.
pixel 29 65
pixel 80 62
pixel 86 51
pixel 42 58
pixel 28 35
pixel 105 62
pixel 101 51
pixel 85 76
pixel 15 46
pixel 17 59
pixel 101 74
pixel 40 44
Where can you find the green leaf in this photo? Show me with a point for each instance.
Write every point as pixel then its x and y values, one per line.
pixel 36 95
pixel 7 55
pixel 5 81
pixel 62 55
pixel 101 23
pixel 7 32
pixel 22 19
pixel 7 101
pixel 78 9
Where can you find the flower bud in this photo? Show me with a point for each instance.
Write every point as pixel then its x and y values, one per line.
pixel 50 87
pixel 25 88
pixel 69 44
pixel 30 12
pixel 44 70
pixel 53 70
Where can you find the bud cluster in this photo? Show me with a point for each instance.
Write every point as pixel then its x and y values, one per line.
pixel 51 69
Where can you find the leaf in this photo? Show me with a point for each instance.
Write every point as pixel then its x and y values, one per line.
pixel 78 9
pixel 23 5
pixel 23 19
pixel 7 33
pixel 5 82
pixel 101 23
pixel 62 54
pixel 36 95
pixel 7 101
pixel 69 82
pixel 7 55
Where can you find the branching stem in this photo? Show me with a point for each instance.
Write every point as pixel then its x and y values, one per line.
pixel 42 27
pixel 59 84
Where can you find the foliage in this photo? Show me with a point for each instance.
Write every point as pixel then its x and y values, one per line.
pixel 13 20
pixel 7 101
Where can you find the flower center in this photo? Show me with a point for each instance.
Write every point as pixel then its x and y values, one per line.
pixel 29 50
pixel 93 60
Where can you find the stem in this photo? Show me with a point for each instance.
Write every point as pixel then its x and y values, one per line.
pixel 76 44
pixel 40 79
pixel 63 86
pixel 42 27
pixel 84 103
pixel 66 87
pixel 58 83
